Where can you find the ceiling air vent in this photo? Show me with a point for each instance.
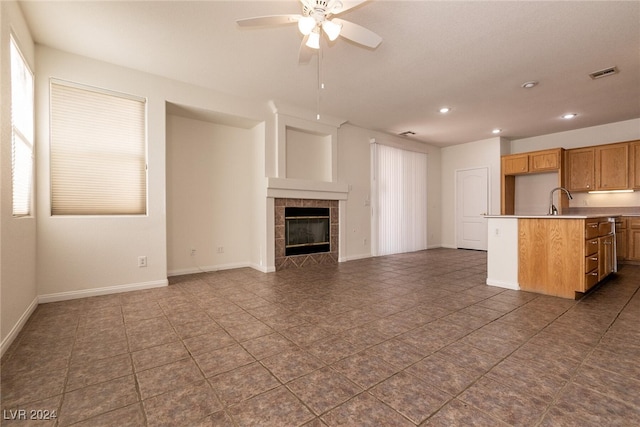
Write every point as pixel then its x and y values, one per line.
pixel 604 73
pixel 407 133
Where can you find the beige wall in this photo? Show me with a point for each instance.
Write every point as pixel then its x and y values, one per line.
pixel 354 169
pixel 79 256
pixel 210 196
pixel 479 154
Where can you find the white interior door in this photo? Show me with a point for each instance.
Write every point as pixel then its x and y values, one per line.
pixel 472 203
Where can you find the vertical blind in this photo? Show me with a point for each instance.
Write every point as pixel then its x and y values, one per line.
pixel 21 133
pixel 399 194
pixel 98 152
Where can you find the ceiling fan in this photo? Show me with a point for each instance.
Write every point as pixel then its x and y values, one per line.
pixel 318 17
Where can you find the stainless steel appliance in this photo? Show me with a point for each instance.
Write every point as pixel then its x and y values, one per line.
pixel 614 220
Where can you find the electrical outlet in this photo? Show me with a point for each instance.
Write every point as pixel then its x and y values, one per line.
pixel 220 249
pixel 193 252
pixel 142 261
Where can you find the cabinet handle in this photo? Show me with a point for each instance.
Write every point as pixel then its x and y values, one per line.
pixel 594 242
pixel 593 225
pixel 593 258
pixel 607 243
pixel 595 273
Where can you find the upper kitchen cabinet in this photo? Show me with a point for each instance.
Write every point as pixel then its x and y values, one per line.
pixel 604 167
pixel 545 160
pixel 634 164
pixel 528 163
pixel 515 164
pixel 532 162
pixel 612 166
pixel 580 169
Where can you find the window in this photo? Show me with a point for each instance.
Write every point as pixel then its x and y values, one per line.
pixel 98 152
pixel 21 133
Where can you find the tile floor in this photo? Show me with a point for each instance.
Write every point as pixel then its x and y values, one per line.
pixel 403 340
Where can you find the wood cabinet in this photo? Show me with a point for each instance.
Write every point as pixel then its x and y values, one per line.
pixel 612 166
pixel 603 167
pixel 580 169
pixel 564 257
pixel 621 239
pixel 605 256
pixel 545 160
pixel 634 165
pixel 633 234
pixel 528 163
pixel 515 164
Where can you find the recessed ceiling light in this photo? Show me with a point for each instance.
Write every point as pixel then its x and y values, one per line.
pixel 496 130
pixel 444 110
pixel 530 84
pixel 569 116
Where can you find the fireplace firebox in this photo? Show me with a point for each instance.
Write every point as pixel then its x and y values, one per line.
pixel 307 230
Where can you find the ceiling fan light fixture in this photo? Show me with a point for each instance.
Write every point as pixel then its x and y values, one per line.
pixel 331 29
pixel 313 41
pixel 306 24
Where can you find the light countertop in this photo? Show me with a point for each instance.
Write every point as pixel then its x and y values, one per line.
pixel 553 216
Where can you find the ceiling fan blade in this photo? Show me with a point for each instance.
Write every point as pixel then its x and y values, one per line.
pixel 305 54
pixel 262 21
pixel 358 34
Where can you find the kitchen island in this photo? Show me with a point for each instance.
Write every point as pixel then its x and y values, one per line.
pixel 560 255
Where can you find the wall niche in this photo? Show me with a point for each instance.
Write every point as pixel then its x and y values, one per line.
pixel 308 155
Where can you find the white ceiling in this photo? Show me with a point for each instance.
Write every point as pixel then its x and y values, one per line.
pixel 471 56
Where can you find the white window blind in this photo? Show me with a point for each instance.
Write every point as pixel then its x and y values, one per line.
pixel 98 152
pixel 21 133
pixel 399 195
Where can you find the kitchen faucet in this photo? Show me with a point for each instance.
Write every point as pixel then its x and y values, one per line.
pixel 552 209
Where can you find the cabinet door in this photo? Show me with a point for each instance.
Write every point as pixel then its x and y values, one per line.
pixel 548 160
pixel 633 234
pixel 515 164
pixel 580 169
pixel 621 244
pixel 612 167
pixel 634 165
pixel 605 256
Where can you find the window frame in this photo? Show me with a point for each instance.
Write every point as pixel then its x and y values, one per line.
pixel 18 134
pixel 145 148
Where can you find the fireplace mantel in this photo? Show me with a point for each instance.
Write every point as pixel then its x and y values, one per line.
pixel 287 188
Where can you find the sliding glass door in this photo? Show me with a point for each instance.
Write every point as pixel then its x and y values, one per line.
pixel 399 200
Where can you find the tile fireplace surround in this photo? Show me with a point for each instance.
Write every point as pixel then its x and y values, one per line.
pixel 295 261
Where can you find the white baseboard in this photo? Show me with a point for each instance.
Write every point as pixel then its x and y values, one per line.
pixel 503 284
pixel 263 268
pixel 354 257
pixel 210 268
pixel 83 293
pixel 8 340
